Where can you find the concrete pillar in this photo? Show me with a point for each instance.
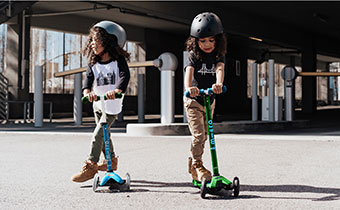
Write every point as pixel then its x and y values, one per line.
pixel 168 67
pixel 141 115
pixel 11 69
pixel 38 96
pixel 329 86
pixel 17 62
pixel 289 75
pixel 308 61
pixel 77 105
pixel 271 94
pixel 12 62
pixel 25 58
pixel 254 96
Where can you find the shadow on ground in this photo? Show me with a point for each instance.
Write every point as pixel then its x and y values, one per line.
pixel 334 192
pixel 138 186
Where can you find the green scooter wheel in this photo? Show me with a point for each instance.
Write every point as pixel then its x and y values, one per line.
pixel 204 188
pixel 236 186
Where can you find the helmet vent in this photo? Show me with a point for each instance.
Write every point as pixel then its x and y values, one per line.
pixel 205 25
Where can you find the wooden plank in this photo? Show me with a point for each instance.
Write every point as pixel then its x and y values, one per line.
pixel 80 70
pixel 319 74
pixel 73 71
pixel 141 64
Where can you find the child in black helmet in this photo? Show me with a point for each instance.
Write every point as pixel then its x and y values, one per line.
pixel 204 69
pixel 107 74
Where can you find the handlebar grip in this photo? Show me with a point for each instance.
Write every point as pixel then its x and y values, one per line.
pixel 187 94
pixel 203 91
pixel 85 99
pixel 224 89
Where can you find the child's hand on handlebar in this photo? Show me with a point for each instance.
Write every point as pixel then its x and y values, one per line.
pixel 194 91
pixel 111 94
pixel 217 88
pixel 91 96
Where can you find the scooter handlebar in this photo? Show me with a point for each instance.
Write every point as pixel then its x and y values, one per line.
pixel 85 99
pixel 207 91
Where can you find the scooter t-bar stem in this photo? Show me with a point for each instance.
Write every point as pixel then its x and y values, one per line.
pixel 85 99
pixel 207 91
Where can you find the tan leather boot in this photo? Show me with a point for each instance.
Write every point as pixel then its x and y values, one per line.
pixel 103 165
pixel 88 171
pixel 198 171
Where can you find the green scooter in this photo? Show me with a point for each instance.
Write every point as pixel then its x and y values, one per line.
pixel 217 182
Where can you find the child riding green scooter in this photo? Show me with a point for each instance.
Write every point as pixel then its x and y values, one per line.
pixel 204 69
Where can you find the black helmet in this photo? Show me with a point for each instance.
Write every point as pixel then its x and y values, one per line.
pixel 206 24
pixel 113 29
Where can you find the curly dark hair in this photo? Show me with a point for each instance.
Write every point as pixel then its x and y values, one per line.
pixel 220 46
pixel 108 41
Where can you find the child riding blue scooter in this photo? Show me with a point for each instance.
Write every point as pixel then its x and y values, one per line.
pixel 107 75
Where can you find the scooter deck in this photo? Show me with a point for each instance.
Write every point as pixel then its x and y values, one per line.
pixel 215 182
pixel 111 177
pixel 113 181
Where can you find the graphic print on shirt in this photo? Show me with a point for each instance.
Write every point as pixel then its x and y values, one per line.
pixel 204 70
pixel 108 79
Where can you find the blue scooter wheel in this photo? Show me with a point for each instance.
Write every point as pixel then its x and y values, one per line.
pixel 236 186
pixel 127 181
pixel 204 188
pixel 126 185
pixel 95 182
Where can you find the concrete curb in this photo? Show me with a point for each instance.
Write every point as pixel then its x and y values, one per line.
pixel 158 129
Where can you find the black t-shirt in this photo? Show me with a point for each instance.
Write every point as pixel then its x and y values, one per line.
pixel 205 71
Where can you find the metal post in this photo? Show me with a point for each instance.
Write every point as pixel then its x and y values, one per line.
pixel 7 111
pixel 51 114
pixel 141 98
pixel 289 105
pixel 254 97
pixel 168 67
pixel 77 105
pixel 289 74
pixel 38 96
pixel 25 111
pixel 271 95
pixel 338 86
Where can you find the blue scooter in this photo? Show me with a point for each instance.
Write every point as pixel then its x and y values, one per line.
pixel 111 179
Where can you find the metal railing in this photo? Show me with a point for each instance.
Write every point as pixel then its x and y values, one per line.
pixel 3 97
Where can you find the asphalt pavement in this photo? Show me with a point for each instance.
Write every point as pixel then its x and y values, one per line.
pixel 298 169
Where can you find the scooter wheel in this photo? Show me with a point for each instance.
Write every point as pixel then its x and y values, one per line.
pixel 127 181
pixel 236 186
pixel 203 188
pixel 95 183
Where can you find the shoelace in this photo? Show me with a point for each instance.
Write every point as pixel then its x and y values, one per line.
pixel 86 166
